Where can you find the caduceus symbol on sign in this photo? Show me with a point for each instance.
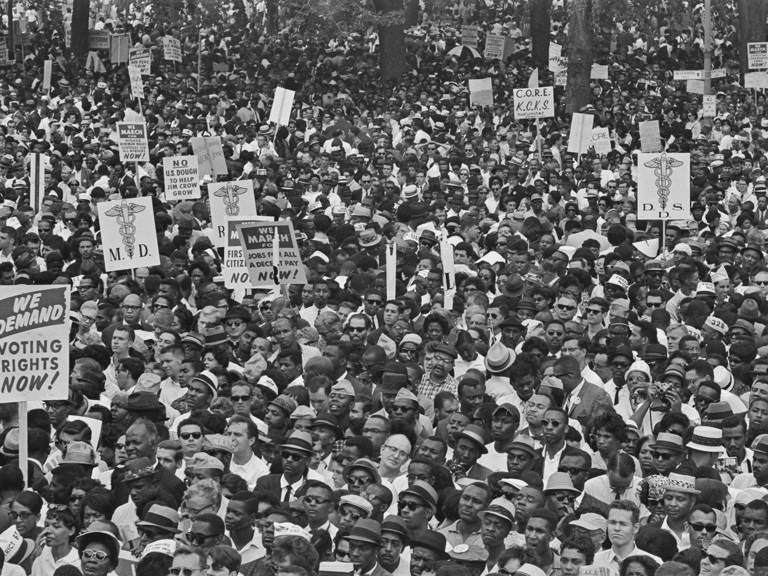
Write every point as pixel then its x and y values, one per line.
pixel 231 194
pixel 125 213
pixel 663 166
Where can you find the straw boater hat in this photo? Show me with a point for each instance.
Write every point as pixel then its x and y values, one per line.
pixel 707 439
pixel 681 483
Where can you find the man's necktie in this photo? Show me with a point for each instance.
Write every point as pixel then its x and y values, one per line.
pixel 616 395
pixel 287 497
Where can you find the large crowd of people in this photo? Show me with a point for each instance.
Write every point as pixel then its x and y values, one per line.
pixel 546 385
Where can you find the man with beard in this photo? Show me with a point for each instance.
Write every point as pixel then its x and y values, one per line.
pixel 404 412
pixel 295 452
pixel 394 540
pixel 240 522
pixel 358 327
pixel 437 378
pixel 466 530
pixel 433 449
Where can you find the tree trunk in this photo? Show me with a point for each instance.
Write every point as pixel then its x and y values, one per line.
pixel 752 14
pixel 540 27
pixel 391 40
pixel 273 24
pixel 411 13
pixel 577 90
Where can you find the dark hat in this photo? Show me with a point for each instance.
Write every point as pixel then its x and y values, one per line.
pixel 108 539
pixel 511 321
pixel 728 242
pixel 424 492
pixel 434 541
pixel 655 352
pixel 716 412
pixel 194 339
pixel 527 304
pixel 394 374
pixel 327 420
pixel 447 349
pixel 215 336
pixel 367 531
pixel 669 441
pixel 238 312
pixel 621 350
pixel 138 468
pixel 475 434
pixel 285 403
pixel 395 525
pixel 142 402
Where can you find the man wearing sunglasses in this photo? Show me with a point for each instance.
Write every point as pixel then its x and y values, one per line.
pixel 702 526
pixel 295 453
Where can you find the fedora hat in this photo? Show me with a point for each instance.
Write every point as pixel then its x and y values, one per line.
pixel 79 453
pixel 395 525
pixel 501 508
pixel 424 492
pixel 162 517
pixel 475 434
pixel 369 237
pixel 364 464
pixel 358 502
pixel 681 483
pixel 327 420
pixel 499 358
pixel 367 531
pixel 560 482
pixel 669 441
pixel 524 443
pixel 707 439
pixel 434 541
pixel 138 468
pixel 299 440
pixel 285 403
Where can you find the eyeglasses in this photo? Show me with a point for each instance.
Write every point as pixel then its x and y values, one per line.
pixel 571 471
pixel 395 450
pixel 711 528
pixel 22 515
pixel 188 435
pixel 551 423
pixel 339 553
pixel 239 398
pixel 292 456
pixel 409 505
pixel 398 409
pixel 373 431
pixel 373 301
pixel 234 323
pixel 198 538
pixel 662 456
pixel 100 555
pixel 653 304
pixel 358 480
pixel 566 307
pixel 129 307
pixel 315 500
pixel 356 329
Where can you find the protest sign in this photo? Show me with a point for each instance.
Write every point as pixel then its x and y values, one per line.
pixel 98 39
pixel 663 186
pixel 559 67
pixel 141 58
pixel 234 270
pixel 171 49
pixel 580 135
pixel 137 84
pixel 757 55
pixel 534 102
pixel 469 36
pixel 687 75
pixel 694 86
pixel 480 92
pixel 258 249
pixel 599 72
pixel 494 46
pixel 282 104
pixel 181 178
pixel 34 343
pixel 601 140
pixel 210 155
pixel 128 233
pixel 119 46
pixel 132 141
pixel 650 136
pixel 47 68
pixel 710 105
pixel 229 199
pixel 756 80
pixel 555 50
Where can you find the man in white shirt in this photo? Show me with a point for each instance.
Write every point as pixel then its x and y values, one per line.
pixel 623 525
pixel 243 433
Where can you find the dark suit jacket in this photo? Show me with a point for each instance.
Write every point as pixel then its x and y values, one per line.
pixel 590 397
pixel 270 483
